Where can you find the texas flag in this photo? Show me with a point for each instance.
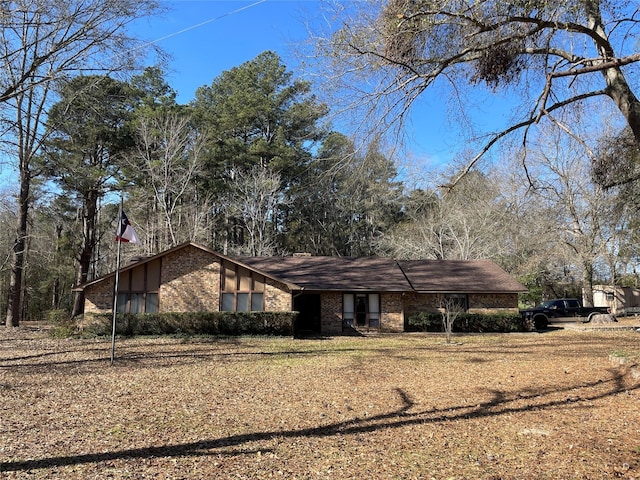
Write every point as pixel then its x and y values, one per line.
pixel 125 232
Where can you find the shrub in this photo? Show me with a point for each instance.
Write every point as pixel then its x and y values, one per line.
pixel 192 323
pixel 469 322
pixel 63 325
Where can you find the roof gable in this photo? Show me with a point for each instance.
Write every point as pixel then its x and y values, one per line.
pixel 182 246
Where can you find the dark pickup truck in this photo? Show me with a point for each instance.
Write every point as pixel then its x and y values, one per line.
pixel 561 309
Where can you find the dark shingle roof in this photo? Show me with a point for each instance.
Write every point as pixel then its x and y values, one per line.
pixel 386 274
pixel 459 276
pixel 334 273
pixel 373 274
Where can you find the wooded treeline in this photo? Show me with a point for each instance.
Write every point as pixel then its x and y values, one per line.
pixel 252 166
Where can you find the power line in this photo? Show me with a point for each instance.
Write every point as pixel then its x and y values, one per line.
pixel 211 20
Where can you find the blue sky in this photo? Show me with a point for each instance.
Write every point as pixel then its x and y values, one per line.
pixel 206 37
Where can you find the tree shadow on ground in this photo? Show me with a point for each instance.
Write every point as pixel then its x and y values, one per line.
pixel 498 403
pixel 130 358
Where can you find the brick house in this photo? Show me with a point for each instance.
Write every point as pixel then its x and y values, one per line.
pixel 332 294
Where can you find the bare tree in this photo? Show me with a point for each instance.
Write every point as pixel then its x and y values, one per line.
pixel 169 157
pixel 581 216
pixel 559 53
pixel 450 307
pixel 42 41
pixel 255 196
pixel 464 224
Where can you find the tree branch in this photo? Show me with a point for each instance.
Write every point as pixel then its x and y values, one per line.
pixel 526 123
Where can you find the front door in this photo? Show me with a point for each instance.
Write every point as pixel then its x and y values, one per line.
pixel 360 310
pixel 308 307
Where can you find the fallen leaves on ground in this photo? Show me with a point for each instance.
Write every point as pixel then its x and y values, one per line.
pixel 509 406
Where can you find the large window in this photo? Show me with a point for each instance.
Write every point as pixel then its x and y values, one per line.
pixel 361 310
pixel 138 289
pixel 242 289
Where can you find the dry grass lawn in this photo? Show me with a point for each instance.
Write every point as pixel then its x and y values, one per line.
pixel 509 406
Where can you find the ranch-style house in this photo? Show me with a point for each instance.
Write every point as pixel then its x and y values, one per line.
pixel 333 294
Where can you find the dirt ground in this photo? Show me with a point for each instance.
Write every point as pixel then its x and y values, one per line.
pixel 563 404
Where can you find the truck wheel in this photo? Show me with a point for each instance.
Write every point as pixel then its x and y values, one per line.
pixel 591 315
pixel 540 322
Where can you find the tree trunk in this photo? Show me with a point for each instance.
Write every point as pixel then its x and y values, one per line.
pixel 55 287
pixel 619 91
pixel 617 86
pixel 14 302
pixel 89 216
pixel 587 286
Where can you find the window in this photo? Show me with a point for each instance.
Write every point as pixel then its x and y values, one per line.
pixel 257 300
pixel 138 289
pixel 242 302
pixel 136 301
pixel 242 289
pixel 374 310
pixel 228 302
pixel 361 310
pixel 123 300
pixel 348 310
pixel 151 303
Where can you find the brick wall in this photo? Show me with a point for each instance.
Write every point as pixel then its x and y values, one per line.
pixel 493 303
pixel 477 303
pixel 277 298
pixel 98 298
pixel 331 313
pixel 190 281
pixel 392 315
pixel 414 303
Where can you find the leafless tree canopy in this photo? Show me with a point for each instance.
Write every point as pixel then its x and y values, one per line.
pixel 556 53
pixel 44 40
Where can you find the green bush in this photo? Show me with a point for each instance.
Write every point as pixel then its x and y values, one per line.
pixel 192 323
pixel 469 322
pixel 63 325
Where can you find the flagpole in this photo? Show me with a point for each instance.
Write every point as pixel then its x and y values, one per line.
pixel 115 288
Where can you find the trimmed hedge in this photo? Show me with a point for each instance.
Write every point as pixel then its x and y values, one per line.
pixel 470 323
pixel 193 323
